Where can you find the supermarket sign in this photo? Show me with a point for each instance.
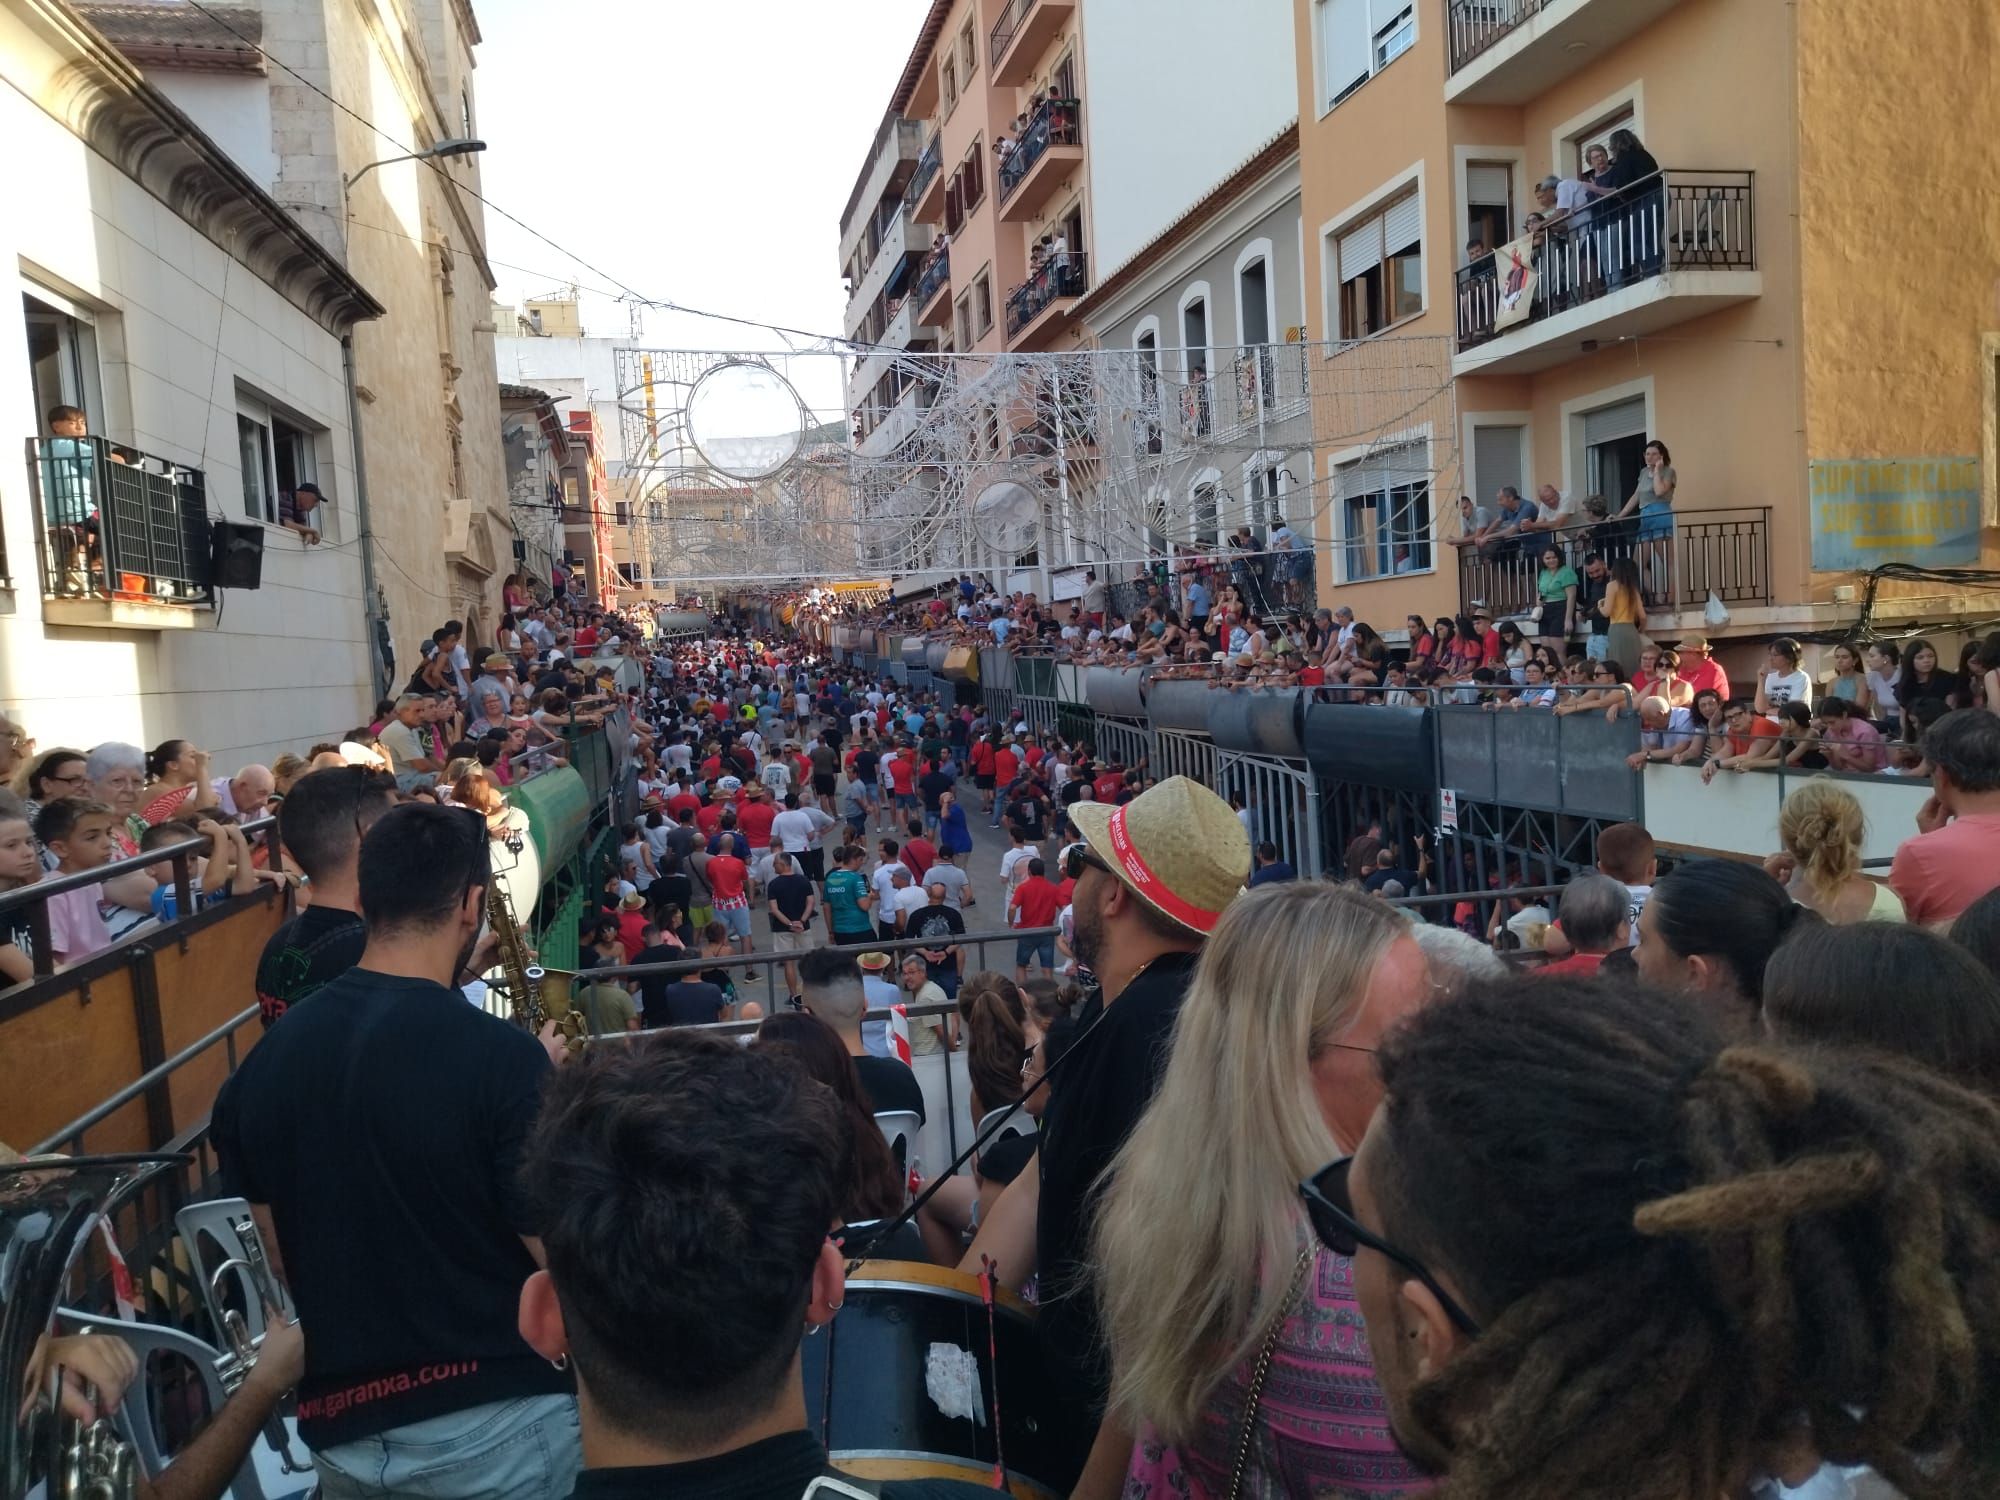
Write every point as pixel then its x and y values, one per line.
pixel 1870 511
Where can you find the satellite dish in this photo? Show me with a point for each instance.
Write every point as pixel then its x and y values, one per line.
pixel 1007 517
pixel 745 420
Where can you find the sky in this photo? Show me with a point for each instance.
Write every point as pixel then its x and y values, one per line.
pixel 698 153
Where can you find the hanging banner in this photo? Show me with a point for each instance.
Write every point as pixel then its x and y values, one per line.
pixel 1869 511
pixel 1514 262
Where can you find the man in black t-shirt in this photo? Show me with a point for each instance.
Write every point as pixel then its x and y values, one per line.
pixel 689 1001
pixel 792 904
pixel 1028 810
pixel 940 922
pixel 686 1187
pixel 382 1126
pixel 1152 877
pixel 932 785
pixel 833 992
pixel 321 823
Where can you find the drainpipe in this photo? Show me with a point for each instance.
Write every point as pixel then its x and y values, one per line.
pixel 371 597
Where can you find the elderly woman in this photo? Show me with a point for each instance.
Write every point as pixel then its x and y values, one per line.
pixel 117 776
pixel 55 773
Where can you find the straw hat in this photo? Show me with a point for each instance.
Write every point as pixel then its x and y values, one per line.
pixel 1177 845
pixel 874 961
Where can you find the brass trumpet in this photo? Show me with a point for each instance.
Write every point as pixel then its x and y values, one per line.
pixel 535 995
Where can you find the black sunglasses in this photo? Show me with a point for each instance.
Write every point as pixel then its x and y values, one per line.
pixel 1332 1213
pixel 1077 857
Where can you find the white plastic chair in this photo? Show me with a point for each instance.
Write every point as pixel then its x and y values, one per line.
pixel 993 1128
pixel 899 1128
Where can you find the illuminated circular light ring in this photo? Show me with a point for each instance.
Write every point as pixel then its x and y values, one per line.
pixel 746 420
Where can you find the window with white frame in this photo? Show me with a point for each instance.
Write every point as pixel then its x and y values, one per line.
pixel 1379 265
pixel 1357 39
pixel 62 357
pixel 1489 203
pixel 278 453
pixel 1385 511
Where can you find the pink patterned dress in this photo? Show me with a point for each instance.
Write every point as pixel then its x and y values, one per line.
pixel 1322 1426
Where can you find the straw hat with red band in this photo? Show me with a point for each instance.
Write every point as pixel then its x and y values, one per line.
pixel 1179 847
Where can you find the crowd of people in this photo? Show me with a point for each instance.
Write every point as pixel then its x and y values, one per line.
pixel 1697 1202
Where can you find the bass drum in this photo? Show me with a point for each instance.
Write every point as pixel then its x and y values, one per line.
pixel 902 1385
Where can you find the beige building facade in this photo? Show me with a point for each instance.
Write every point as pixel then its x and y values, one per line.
pixel 1790 292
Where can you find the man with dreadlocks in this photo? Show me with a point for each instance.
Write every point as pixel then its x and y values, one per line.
pixel 1602 1252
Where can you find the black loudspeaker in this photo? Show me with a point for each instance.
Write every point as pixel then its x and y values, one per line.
pixel 237 555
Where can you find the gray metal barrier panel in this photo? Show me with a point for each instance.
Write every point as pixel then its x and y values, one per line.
pixel 1527 758
pixel 1035 676
pixel 1282 798
pixel 1070 683
pixel 871 664
pixel 999 705
pixel 899 673
pixel 1465 751
pixel 1117 690
pixel 1372 744
pixel 996 668
pixel 1596 780
pixel 1190 755
pixel 1125 743
pixel 1040 713
pixel 1180 703
pixel 919 679
pixel 1265 721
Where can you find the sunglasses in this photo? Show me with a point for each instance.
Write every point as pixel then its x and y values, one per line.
pixel 1077 857
pixel 1332 1213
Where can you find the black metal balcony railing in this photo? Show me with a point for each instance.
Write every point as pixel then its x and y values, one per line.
pixel 1005 29
pixel 1471 26
pixel 1674 220
pixel 1059 122
pixel 1726 552
pixel 1064 274
pixel 934 273
pixel 116 523
pixel 928 165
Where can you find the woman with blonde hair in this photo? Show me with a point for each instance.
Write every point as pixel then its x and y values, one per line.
pixel 1821 827
pixel 1237 1359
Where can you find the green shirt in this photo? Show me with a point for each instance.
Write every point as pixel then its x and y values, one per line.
pixel 844 890
pixel 1552 582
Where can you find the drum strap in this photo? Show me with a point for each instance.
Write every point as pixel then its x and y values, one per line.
pixel 846 1486
pixel 1247 1433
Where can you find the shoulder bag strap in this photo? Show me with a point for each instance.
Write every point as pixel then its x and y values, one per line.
pixel 1247 1430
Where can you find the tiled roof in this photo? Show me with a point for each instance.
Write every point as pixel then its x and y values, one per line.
pixel 172 34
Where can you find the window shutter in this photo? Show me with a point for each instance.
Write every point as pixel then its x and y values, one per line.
pixel 1403 224
pixel 1496 460
pixel 1488 183
pixel 1345 44
pixel 1361 249
pixel 1626 419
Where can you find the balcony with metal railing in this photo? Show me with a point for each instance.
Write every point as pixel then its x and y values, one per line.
pixel 124 535
pixel 1726 552
pixel 1511 51
pixel 1018 38
pixel 1669 248
pixel 932 294
pixel 1047 297
pixel 1049 150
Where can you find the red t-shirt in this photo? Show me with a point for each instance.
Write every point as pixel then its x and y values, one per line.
pixel 902 776
pixel 753 821
pixel 1006 766
pixel 708 818
pixel 1939 874
pixel 629 925
pixel 1033 755
pixel 727 876
pixel 711 768
pixel 982 759
pixel 1489 648
pixel 1582 965
pixel 1108 785
pixel 1760 729
pixel 1038 902
pixel 919 855
pixel 680 802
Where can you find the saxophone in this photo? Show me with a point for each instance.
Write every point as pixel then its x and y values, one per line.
pixel 532 999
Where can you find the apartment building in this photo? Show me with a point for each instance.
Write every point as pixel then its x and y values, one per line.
pixel 1791 303
pixel 1200 271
